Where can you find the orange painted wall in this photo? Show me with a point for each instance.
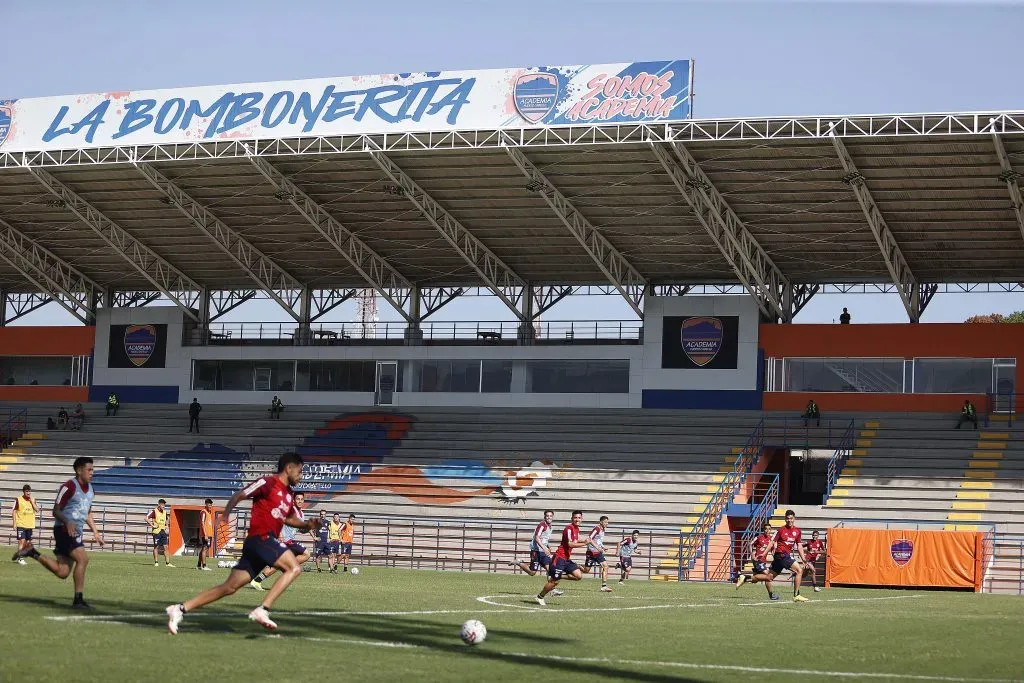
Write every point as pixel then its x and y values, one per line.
pixel 70 395
pixel 936 340
pixel 47 341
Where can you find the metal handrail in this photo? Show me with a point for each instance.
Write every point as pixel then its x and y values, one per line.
pixel 691 543
pixel 1002 404
pixel 838 460
pixel 230 333
pixel 15 425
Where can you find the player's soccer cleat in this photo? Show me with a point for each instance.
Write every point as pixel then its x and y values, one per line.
pixel 800 598
pixel 169 565
pixel 606 589
pixel 540 601
pixel 774 597
pixel 156 564
pixel 255 585
pixel 174 616
pixel 207 569
pixel 80 604
pixel 557 592
pixel 622 583
pixel 742 579
pixel 262 617
pixel 27 551
pixel 817 589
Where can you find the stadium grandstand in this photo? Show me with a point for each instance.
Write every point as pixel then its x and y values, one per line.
pixel 149 216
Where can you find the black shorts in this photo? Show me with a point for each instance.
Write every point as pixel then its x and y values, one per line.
pixel 760 567
pixel 323 548
pixel 594 559
pixel 260 552
pixel 538 559
pixel 346 548
pixel 559 567
pixel 626 562
pixel 63 544
pixel 296 548
pixel 205 542
pixel 781 563
pixel 23 533
pixel 160 540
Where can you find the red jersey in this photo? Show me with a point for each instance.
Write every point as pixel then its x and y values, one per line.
pixel 761 545
pixel 570 534
pixel 814 550
pixel 272 503
pixel 786 539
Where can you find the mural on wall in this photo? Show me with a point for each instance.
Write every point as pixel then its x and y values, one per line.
pixel 345 456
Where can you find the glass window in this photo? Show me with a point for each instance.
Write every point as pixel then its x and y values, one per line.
pixel 243 375
pixel 496 377
pixel 952 375
pixel 51 371
pixel 451 376
pixel 868 375
pixel 577 376
pixel 345 375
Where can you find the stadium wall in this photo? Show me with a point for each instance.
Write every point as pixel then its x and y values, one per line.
pixel 23 348
pixel 906 341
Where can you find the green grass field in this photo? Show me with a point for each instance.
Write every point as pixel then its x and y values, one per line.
pixel 390 625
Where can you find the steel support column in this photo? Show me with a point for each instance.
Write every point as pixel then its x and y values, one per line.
pixel 1011 178
pixel 274 280
pixel 51 274
pixel 755 269
pixel 498 277
pixel 173 283
pixel 378 273
pixel 906 284
pixel 626 279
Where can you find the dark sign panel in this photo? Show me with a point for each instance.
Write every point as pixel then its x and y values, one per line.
pixel 137 346
pixel 700 342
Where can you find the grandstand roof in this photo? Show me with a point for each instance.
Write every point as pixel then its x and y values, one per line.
pixel 937 180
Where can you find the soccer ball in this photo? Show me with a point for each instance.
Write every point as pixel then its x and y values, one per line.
pixel 222 564
pixel 473 632
pixel 355 571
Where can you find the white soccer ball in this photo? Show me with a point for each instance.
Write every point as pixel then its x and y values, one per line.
pixel 355 571
pixel 473 632
pixel 222 564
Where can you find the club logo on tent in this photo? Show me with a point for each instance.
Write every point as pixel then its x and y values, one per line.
pixel 6 119
pixel 701 339
pixel 535 95
pixel 139 343
pixel 902 549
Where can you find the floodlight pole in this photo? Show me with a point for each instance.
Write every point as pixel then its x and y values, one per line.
pixel 914 295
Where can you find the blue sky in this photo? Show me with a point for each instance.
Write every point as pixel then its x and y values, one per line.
pixel 752 59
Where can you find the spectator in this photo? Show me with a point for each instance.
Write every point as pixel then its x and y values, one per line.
pixel 62 418
pixel 844 319
pixel 812 413
pixel 193 415
pixel 112 404
pixel 968 414
pixel 276 406
pixel 77 418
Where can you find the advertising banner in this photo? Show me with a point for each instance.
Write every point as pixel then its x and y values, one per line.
pixel 894 557
pixel 700 342
pixel 494 99
pixel 137 346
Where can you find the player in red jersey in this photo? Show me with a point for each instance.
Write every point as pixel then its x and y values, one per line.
pixel 273 507
pixel 814 549
pixel 561 566
pixel 759 548
pixel 786 541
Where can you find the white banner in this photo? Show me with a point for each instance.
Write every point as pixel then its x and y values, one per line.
pixel 432 101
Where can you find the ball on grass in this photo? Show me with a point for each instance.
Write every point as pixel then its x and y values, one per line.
pixel 473 632
pixel 355 571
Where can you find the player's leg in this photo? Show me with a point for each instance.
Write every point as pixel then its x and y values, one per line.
pixel 156 557
pixel 604 575
pixel 525 567
pixel 80 559
pixel 812 571
pixel 290 570
pixel 163 547
pixel 798 573
pixel 236 579
pixel 201 560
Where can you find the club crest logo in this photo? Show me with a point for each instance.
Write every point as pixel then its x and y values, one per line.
pixel 902 550
pixel 139 343
pixel 701 339
pixel 6 118
pixel 535 95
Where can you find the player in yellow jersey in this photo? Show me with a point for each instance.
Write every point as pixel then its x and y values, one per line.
pixel 348 532
pixel 206 516
pixel 158 519
pixel 24 518
pixel 333 541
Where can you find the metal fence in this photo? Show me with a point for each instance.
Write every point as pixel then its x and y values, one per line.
pixel 13 424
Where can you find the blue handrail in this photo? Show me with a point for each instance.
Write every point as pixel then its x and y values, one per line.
pixel 838 460
pixel 15 424
pixel 761 513
pixel 1001 404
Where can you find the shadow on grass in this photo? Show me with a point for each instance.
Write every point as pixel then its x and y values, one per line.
pixel 426 634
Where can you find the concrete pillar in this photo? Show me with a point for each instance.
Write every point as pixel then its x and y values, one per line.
pixel 526 334
pixel 3 308
pixel 303 333
pixel 413 331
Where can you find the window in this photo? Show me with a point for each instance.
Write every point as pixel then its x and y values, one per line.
pixel 243 375
pixel 51 371
pixel 450 375
pixel 345 375
pixel 577 377
pixel 866 375
pixel 952 375
pixel 496 377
